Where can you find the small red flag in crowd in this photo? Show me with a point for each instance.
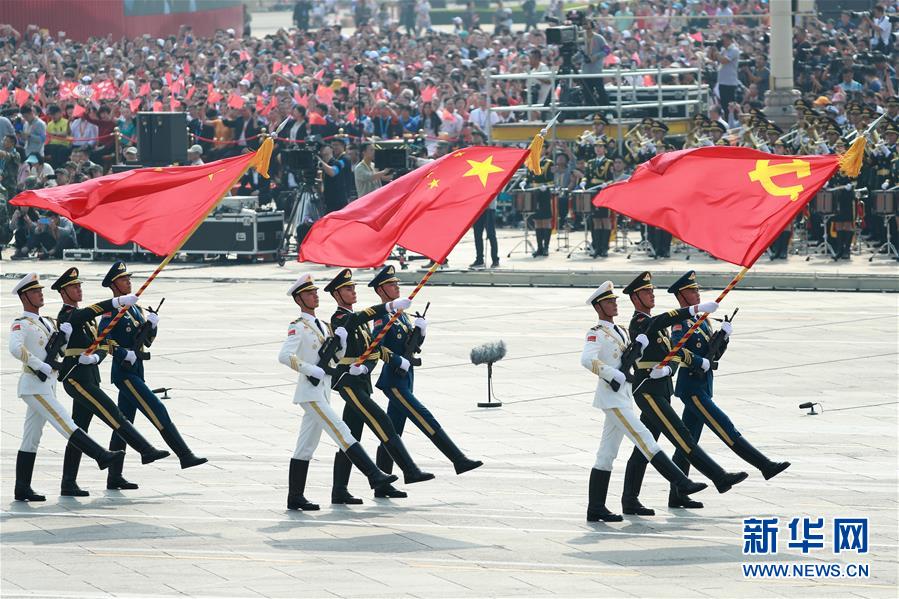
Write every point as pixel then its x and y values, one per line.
pixel 20 96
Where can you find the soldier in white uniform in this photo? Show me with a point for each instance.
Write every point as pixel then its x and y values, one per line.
pixel 305 337
pixel 605 345
pixel 28 338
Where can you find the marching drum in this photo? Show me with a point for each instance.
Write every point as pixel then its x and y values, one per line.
pixel 525 201
pixel 582 201
pixel 884 203
pixel 824 202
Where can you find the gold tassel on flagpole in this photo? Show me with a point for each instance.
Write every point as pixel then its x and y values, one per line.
pixel 851 162
pixel 535 151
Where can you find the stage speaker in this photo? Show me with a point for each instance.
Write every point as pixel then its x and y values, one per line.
pixel 162 138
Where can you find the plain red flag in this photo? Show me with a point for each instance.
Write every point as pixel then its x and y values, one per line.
pixel 153 207
pixel 729 201
pixel 21 96
pixel 426 211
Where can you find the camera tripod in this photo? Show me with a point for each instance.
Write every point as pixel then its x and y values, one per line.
pixel 304 209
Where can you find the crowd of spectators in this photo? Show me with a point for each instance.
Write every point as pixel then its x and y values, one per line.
pixel 69 106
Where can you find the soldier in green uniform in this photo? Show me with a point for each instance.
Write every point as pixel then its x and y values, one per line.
pixel 653 390
pixel 354 385
pixel 543 202
pixel 80 377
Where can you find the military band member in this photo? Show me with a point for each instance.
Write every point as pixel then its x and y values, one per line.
pixel 127 374
pixel 599 171
pixel 543 195
pixel 28 339
pixel 603 350
pixel 717 129
pixel 81 380
pixel 653 389
pixel 305 337
pixel 397 381
pixel 354 385
pixel 695 390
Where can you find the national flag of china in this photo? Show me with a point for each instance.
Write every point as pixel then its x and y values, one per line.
pixel 426 211
pixel 731 202
pixel 157 208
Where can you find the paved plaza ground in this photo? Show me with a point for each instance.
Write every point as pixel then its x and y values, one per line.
pixel 514 527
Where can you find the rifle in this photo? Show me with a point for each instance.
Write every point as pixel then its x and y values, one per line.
pixel 629 358
pixel 54 351
pixel 142 337
pixel 413 344
pixel 716 347
pixel 326 354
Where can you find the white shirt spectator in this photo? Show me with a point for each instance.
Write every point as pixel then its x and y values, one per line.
pixel 82 130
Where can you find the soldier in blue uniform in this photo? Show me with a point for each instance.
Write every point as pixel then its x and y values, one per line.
pixel 694 387
pixel 128 376
pixel 653 389
pixel 397 379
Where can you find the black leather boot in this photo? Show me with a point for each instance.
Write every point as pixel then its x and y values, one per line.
pixel 173 439
pixel 94 450
pixel 604 236
pixel 757 459
pixel 675 498
pixel 70 462
pixel 723 480
pixel 446 446
pixel 24 470
pixel 596 506
pixel 411 472
pixel 114 479
pixel 296 485
pixel 679 481
pixel 633 480
pixel 594 243
pixel 385 464
pixel 363 462
pixel 340 494
pixel 148 453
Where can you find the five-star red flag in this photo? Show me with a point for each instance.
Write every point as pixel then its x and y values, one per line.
pixel 426 211
pixel 731 202
pixel 157 208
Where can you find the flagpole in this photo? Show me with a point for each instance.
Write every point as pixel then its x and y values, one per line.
pixel 377 340
pixel 102 335
pixel 704 315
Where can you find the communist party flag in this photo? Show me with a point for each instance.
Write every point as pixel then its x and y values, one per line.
pixel 157 208
pixel 426 211
pixel 729 201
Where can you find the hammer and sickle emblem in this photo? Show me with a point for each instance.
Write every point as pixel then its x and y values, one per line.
pixel 764 172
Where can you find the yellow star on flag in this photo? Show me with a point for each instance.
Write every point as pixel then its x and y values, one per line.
pixel 433 183
pixel 482 170
pixel 458 154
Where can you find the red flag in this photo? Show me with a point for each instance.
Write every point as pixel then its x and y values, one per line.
pixel 144 90
pixel 185 66
pixel 168 78
pixel 428 93
pixel 135 104
pixel 235 101
pixel 190 92
pixel 324 94
pixel 731 202
pixel 249 76
pixel 214 97
pixel 260 104
pixel 154 207
pixel 125 91
pixel 244 55
pixel 178 85
pixel 297 69
pixel 20 96
pixel 78 111
pixel 276 67
pixel 426 211
pixel 41 80
pixel 301 100
pixel 174 104
pixel 4 95
pixel 157 106
pixel 318 74
pixel 66 90
pixel 351 116
pixel 316 119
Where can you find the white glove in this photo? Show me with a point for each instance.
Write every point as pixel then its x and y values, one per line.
pixel 727 327
pixel 706 365
pixel 404 364
pixel 885 185
pixel 123 301
pixel 131 357
pixel 66 329
pixel 709 307
pixel 153 319
pixel 617 375
pixel 357 370
pixel 341 334
pixel 660 373
pixel 46 369
pixel 398 304
pixel 316 372
pixel 422 324
pixel 88 359
pixel 643 340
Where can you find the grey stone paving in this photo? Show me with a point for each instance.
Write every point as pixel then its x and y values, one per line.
pixel 512 528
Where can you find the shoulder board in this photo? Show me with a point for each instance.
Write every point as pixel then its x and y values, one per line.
pixel 672 312
pixel 295 321
pixel 596 328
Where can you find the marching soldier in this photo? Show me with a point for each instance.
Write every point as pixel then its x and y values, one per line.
pixel 29 335
pixel 598 172
pixel 653 390
pixel 305 337
pixel 397 380
pixel 695 390
pixel 82 382
pixel 354 385
pixel 544 197
pixel 127 344
pixel 605 346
